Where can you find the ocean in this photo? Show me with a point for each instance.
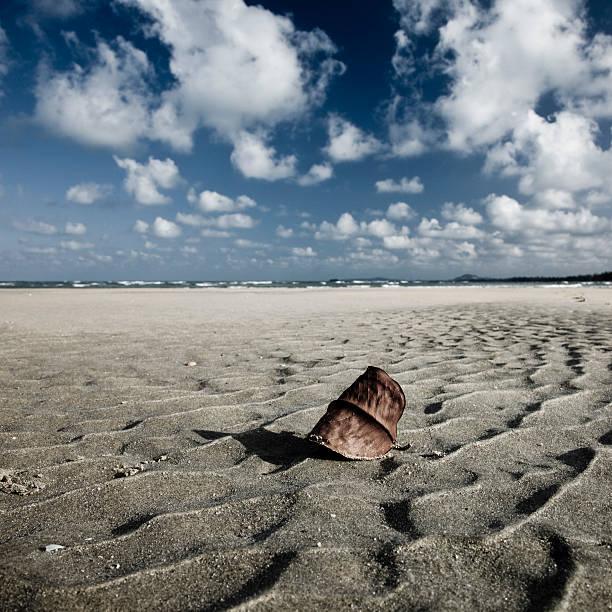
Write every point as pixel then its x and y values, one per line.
pixel 334 283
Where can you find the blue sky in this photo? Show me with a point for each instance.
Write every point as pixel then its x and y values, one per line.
pixel 223 139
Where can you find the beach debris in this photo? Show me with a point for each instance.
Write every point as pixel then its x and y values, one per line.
pixel 190 364
pixel 579 298
pixel 20 484
pixel 124 470
pixel 362 422
pixel 53 547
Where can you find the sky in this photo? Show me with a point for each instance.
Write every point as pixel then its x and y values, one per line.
pixel 304 140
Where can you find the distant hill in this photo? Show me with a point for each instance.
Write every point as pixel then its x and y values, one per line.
pixel 468 277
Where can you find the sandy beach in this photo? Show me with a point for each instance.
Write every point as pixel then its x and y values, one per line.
pixel 191 487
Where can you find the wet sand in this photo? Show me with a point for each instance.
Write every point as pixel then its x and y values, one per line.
pixel 176 487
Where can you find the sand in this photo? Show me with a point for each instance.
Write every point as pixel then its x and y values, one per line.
pixel 191 487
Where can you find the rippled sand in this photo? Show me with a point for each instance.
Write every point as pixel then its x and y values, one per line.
pixel 175 487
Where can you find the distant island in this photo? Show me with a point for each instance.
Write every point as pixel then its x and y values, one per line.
pixel 577 278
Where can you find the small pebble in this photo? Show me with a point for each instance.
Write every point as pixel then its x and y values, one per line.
pixel 52 547
pixel 190 364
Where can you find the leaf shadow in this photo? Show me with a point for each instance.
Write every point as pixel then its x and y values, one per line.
pixel 283 449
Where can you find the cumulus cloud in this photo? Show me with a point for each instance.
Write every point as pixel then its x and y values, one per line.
pixel 398 242
pixel 255 159
pixel 223 222
pixel 78 229
pixel 529 84
pixel 212 202
pixel 163 228
pixel 284 232
pixel 224 77
pixel 212 233
pixel 143 181
pixel 344 228
pixel 559 154
pixel 236 220
pixel 104 104
pixel 75 245
pixel 347 227
pixel 140 227
pixel 453 230
pixel 35 227
pixel 317 174
pixel 461 214
pixel 347 142
pixel 303 252
pixel 87 193
pixel 414 185
pixel 378 228
pixel 243 243
pixel 400 210
pixel 509 215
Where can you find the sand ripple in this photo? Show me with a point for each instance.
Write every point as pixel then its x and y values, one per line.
pixel 499 497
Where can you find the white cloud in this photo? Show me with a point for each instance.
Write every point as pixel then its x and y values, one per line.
pixel 461 214
pixel 303 252
pixel 236 220
pixel 347 142
pixel 4 44
pixel 510 216
pixel 243 243
pixel 398 242
pixel 163 228
pixel 230 80
pixel 344 228
pixel 400 210
pixel 378 228
pixel 284 232
pixel 404 185
pixel 140 227
pixel 452 230
pixel 317 174
pixel 143 181
pixel 87 193
pixel 558 198
pixel 559 154
pixel 193 220
pixel 59 8
pixel 228 221
pixel 255 159
pixel 508 64
pixel 104 104
pixel 78 229
pixel 40 250
pixel 408 138
pixel 36 227
pixel 75 245
pixel 223 78
pixel 211 201
pixel 211 233
pixel 362 243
